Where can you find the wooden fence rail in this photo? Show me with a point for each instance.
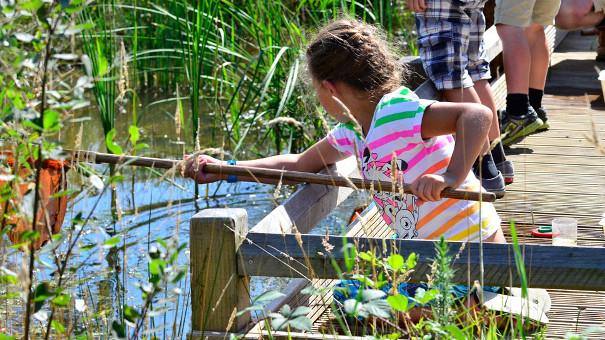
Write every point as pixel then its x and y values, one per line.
pixel 547 266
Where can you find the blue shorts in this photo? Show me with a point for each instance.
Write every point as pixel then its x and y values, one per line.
pixel 450 42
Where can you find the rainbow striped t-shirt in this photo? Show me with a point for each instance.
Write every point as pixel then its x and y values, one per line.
pixel 394 138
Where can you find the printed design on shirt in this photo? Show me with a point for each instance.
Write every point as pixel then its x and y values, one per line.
pixel 398 211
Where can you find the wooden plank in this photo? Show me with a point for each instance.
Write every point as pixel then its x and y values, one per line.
pixel 547 266
pixel 217 291
pixel 310 204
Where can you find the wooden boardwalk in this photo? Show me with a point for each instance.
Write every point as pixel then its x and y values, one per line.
pixel 561 173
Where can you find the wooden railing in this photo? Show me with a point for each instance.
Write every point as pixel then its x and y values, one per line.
pixel 224 253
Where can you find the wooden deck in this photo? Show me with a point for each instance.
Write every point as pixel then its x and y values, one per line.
pixel 561 173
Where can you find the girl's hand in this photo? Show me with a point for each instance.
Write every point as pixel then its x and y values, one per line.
pixel 429 187
pixel 416 5
pixel 194 168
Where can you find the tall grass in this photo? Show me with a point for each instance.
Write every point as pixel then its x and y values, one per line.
pixel 240 60
pixel 99 45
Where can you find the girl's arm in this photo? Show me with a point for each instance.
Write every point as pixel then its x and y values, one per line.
pixel 470 123
pixel 317 157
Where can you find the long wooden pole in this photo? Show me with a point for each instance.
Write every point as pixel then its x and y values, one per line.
pixel 264 175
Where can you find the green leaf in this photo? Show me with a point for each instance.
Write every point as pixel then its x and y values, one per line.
pixel 455 332
pixel 249 309
pixel 354 307
pixel 58 326
pixel 285 310
pixel 366 256
pixel 52 120
pixel 61 300
pixel 424 297
pixel 302 323
pixel 141 146
pixel 395 261
pixel 112 242
pixel 110 144
pixel 411 261
pixel 156 265
pixel 300 311
pixel 8 279
pixel 131 314
pixel 379 308
pixel 364 280
pixel 41 294
pixel 7 337
pixel 134 134
pixel 31 5
pixel 119 329
pixel 267 297
pixel 278 323
pixel 88 246
pixel 398 302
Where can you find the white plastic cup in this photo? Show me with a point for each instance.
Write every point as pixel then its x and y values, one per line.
pixel 602 79
pixel 564 231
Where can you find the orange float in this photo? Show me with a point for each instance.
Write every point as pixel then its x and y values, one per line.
pixel 51 208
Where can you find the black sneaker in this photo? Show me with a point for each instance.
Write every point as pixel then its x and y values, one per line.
pixel 515 128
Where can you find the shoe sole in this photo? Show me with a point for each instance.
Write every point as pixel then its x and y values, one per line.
pixel 508 180
pixel 543 128
pixel 521 134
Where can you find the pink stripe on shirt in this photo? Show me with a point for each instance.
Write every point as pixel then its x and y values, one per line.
pixel 426 152
pixel 394 136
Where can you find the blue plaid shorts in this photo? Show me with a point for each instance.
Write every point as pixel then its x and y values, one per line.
pixel 450 42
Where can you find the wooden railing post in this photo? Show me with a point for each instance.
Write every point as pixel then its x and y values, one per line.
pixel 217 292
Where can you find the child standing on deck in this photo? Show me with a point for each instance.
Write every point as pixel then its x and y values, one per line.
pixel 450 41
pixel 358 82
pixel 520 25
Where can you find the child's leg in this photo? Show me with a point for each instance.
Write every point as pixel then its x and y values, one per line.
pixel 543 15
pixel 484 91
pixel 511 17
pixel 516 53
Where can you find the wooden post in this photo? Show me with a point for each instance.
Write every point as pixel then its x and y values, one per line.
pixel 217 292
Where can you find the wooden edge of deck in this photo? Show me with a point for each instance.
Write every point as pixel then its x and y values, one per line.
pixel 554 267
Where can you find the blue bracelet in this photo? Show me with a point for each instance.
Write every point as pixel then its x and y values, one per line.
pixel 231 178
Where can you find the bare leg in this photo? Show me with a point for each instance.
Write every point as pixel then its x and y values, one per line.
pixel 467 95
pixel 575 14
pixel 539 56
pixel 516 58
pixel 484 91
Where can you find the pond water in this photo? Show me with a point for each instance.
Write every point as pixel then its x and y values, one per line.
pixel 155 207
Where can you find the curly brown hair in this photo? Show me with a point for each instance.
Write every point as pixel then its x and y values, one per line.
pixel 356 53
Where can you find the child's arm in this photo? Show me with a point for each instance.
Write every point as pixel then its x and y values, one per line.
pixel 470 123
pixel 313 159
